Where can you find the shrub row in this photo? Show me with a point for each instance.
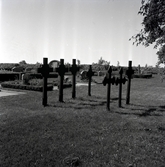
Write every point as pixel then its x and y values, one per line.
pixel 25 87
pixel 142 75
pixel 39 76
pixel 9 76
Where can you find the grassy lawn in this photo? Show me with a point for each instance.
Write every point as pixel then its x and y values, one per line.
pixel 82 132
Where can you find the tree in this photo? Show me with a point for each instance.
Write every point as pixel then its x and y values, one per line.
pixel 23 62
pixel 153 31
pixel 103 62
pixel 37 63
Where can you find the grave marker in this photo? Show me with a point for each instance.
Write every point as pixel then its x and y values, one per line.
pixel 61 71
pixel 44 70
pixel 90 73
pixel 129 73
pixel 112 80
pixel 139 71
pixel 108 76
pixel 74 70
pixel 108 80
pixel 121 81
pixel 54 64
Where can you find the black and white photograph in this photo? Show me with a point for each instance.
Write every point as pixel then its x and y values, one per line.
pixel 82 83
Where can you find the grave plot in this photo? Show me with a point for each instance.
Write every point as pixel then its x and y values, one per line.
pixel 115 80
pixel 45 69
pixel 61 70
pixel 142 73
pixel 112 80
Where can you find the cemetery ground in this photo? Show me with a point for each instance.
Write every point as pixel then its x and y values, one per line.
pixel 81 132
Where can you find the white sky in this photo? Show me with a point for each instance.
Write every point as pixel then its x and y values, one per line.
pixel 81 29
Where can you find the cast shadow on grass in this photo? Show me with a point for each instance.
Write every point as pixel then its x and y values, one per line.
pixel 143 111
pixel 72 105
pixel 162 107
pixel 149 112
pixel 83 103
pixel 87 102
pixel 161 128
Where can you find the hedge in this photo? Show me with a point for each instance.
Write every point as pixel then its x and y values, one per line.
pixel 142 75
pixel 25 87
pixel 9 76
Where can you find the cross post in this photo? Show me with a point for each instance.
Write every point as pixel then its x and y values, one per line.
pixel 44 70
pixel 61 71
pixel 139 69
pixel 120 86
pixel 109 87
pixel 108 80
pixel 90 73
pixel 74 70
pixel 129 74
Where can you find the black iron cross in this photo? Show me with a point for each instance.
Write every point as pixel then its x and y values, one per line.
pixel 45 70
pixel 90 73
pixel 74 69
pixel 61 71
pixel 129 73
pixel 121 81
pixel 108 81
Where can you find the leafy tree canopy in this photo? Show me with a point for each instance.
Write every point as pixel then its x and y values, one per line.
pixel 23 62
pixel 104 63
pixel 153 31
pixel 101 61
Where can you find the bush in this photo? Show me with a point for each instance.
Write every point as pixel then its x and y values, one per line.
pixel 29 76
pixel 15 85
pixel 142 75
pixel 9 76
pixel 26 78
pixel 36 82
